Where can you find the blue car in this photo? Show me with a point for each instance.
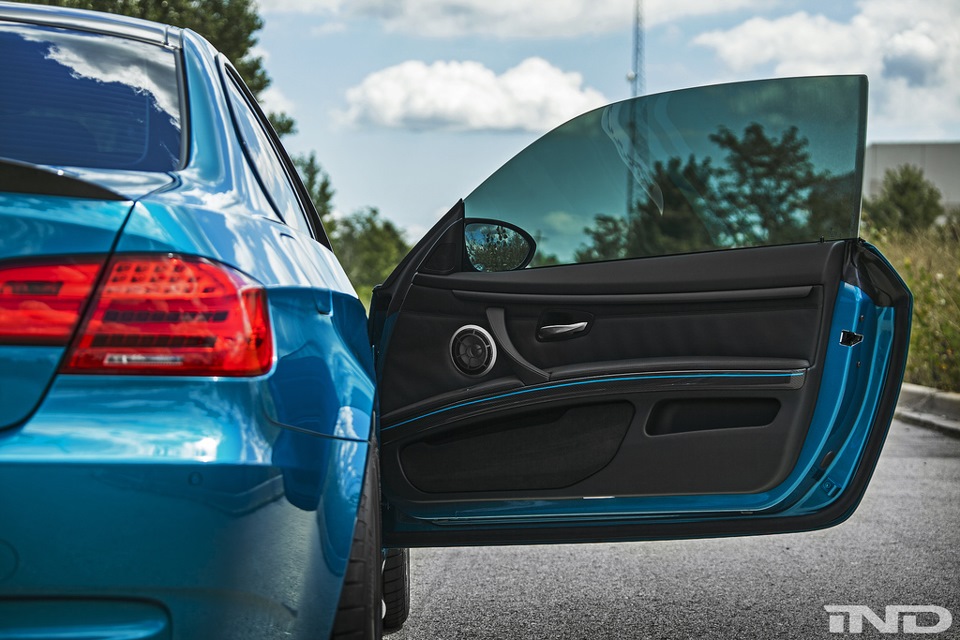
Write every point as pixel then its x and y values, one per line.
pixel 655 322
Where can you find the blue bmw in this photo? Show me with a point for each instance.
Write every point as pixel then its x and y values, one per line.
pixel 655 322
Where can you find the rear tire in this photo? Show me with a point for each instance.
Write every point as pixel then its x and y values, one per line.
pixel 360 610
pixel 396 589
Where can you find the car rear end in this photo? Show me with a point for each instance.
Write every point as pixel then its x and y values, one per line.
pixel 150 485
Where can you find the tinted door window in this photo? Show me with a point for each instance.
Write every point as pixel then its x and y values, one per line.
pixel 738 165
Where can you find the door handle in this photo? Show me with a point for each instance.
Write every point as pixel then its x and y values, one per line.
pixel 528 372
pixel 557 330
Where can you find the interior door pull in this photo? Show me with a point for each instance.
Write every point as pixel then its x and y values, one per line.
pixel 528 372
pixel 557 330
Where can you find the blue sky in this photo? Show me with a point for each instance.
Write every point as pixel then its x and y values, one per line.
pixel 410 104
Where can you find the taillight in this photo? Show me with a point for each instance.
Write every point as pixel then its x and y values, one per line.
pixel 41 303
pixel 173 315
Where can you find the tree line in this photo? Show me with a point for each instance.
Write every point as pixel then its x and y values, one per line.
pixel 764 190
pixel 908 221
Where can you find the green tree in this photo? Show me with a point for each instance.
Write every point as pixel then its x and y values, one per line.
pixel 607 239
pixel 904 223
pixel 647 231
pixel 493 247
pixel 687 195
pixel 230 25
pixel 369 247
pixel 766 191
pixel 766 185
pixel 317 182
pixel 542 258
pixel 283 124
pixel 907 201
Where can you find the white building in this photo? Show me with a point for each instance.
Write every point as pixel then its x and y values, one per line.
pixel 940 162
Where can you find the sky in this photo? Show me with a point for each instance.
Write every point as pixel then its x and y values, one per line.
pixel 411 104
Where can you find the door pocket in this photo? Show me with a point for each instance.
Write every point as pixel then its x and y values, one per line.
pixel 534 450
pixel 703 414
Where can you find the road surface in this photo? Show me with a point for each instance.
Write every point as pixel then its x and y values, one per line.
pixel 902 546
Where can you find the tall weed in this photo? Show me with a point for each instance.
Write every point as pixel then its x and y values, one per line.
pixel 929 262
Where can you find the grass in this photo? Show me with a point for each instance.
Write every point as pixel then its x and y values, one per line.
pixel 929 262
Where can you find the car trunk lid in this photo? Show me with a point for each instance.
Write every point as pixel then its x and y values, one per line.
pixel 56 231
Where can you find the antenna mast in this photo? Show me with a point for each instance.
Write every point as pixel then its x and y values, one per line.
pixel 636 75
pixel 637 82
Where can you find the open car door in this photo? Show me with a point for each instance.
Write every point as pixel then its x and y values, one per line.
pixel 657 321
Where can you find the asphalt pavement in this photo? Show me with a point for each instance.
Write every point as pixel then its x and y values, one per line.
pixel 901 547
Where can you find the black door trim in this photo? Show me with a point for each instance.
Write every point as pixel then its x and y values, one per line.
pixel 738 295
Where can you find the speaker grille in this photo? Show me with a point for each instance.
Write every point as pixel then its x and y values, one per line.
pixel 473 350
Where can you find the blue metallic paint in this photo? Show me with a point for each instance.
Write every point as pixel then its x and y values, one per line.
pixel 219 546
pixel 85 618
pixel 32 227
pixel 35 225
pixel 25 373
pixel 226 505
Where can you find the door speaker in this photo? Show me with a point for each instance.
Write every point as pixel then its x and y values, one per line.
pixel 473 350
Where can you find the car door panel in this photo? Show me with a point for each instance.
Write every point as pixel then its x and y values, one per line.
pixel 679 360
pixel 686 434
pixel 636 329
pixel 713 392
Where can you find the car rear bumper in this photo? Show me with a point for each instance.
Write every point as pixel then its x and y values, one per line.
pixel 184 550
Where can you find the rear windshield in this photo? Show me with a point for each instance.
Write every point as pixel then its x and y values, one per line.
pixel 88 100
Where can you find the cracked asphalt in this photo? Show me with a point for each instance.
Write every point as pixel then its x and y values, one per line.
pixel 902 546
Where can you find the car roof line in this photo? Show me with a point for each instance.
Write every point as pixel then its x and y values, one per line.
pixel 94 21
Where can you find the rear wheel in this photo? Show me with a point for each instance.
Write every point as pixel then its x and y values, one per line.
pixel 396 589
pixel 360 610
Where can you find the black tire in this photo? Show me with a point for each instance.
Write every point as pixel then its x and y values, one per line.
pixel 360 610
pixel 396 589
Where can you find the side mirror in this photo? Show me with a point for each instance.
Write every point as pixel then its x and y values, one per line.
pixel 493 245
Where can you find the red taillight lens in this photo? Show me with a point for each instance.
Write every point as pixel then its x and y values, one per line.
pixel 174 315
pixel 40 304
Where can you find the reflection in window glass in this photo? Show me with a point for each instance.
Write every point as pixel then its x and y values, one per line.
pixel 265 160
pixel 738 165
pixel 88 100
pixel 494 247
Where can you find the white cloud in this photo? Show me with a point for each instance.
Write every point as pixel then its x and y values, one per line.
pixel 509 18
pixel 910 51
pixel 467 96
pixel 328 28
pixel 299 6
pixel 796 43
pixel 88 57
pixel 257 51
pixel 272 99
